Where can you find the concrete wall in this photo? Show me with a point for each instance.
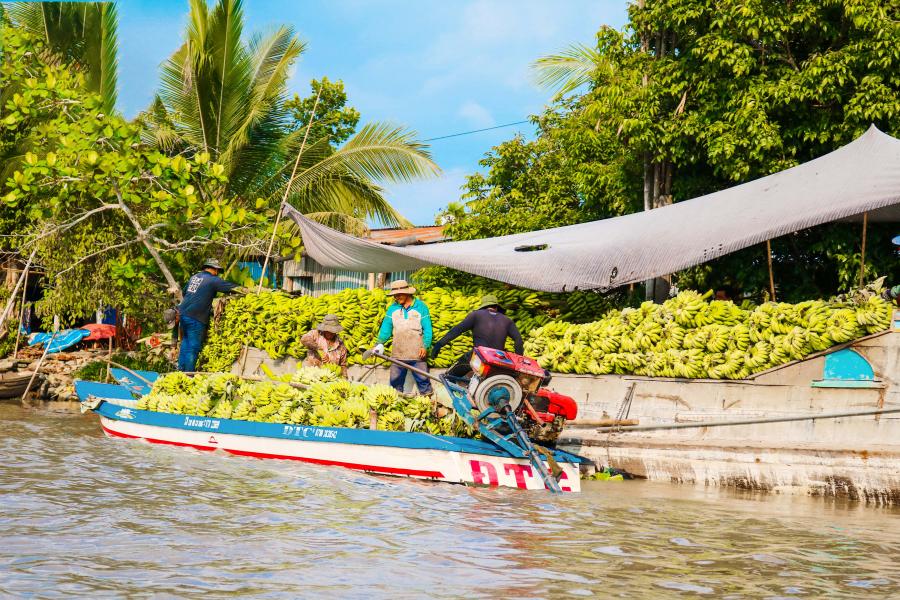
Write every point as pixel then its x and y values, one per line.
pixel 858 457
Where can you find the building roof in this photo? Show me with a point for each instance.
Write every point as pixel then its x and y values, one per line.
pixel 427 234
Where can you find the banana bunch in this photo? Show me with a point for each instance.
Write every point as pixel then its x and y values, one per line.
pixel 329 401
pixel 274 321
pixel 689 336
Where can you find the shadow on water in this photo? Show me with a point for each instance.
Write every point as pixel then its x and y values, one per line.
pixel 81 514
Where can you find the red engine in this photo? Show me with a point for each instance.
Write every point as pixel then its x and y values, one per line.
pixel 518 380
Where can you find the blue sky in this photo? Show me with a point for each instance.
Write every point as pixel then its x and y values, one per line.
pixel 436 67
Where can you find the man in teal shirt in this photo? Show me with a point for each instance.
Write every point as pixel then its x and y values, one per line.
pixel 408 321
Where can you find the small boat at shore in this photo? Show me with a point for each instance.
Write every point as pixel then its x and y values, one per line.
pixel 407 454
pixel 13 383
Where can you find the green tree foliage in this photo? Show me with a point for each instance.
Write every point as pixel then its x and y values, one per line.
pixel 333 119
pixel 112 219
pixel 696 96
pixel 82 35
pixel 227 98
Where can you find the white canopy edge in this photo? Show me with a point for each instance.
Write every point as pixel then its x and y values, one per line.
pixel 860 177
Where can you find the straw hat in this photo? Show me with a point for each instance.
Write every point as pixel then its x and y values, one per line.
pixel 401 287
pixel 331 324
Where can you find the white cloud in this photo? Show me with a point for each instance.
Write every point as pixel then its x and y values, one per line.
pixel 476 114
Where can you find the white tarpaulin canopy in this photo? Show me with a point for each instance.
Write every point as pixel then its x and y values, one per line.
pixel 863 176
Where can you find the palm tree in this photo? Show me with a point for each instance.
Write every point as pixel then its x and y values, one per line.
pixel 222 96
pixel 82 34
pixel 572 68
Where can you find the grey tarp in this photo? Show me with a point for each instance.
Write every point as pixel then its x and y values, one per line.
pixel 860 177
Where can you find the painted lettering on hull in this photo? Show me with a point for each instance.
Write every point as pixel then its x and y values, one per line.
pixel 485 473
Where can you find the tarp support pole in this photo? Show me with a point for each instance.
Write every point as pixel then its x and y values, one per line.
pixel 862 254
pixel 771 274
pixel 287 190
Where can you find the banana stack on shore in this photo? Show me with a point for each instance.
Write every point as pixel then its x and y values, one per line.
pixel 686 336
pixel 690 337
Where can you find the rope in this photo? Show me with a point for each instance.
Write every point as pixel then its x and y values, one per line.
pixel 840 415
pixel 624 409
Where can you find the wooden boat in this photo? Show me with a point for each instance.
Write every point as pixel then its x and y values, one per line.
pixel 418 455
pixel 13 383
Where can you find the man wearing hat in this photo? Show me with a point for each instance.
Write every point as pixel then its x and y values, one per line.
pixel 325 346
pixel 195 309
pixel 892 294
pixel 408 321
pixel 489 327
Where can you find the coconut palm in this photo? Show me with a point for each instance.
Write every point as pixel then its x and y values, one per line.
pixel 81 34
pixel 226 97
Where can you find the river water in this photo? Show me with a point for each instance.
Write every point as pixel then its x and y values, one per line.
pixel 81 514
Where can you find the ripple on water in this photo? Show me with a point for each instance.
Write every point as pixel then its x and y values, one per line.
pixel 84 515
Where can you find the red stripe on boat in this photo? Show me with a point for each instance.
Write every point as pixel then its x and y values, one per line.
pixel 355 466
pixel 155 441
pixel 316 461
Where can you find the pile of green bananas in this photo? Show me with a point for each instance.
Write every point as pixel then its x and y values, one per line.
pixel 690 337
pixel 274 321
pixel 328 401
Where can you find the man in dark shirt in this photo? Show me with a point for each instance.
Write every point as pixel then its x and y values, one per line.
pixel 195 309
pixel 489 327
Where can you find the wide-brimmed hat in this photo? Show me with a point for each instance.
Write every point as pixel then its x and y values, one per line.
pixel 489 300
pixel 401 287
pixel 212 262
pixel 170 316
pixel 331 324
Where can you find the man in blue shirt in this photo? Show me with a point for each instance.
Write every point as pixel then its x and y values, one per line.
pixel 408 321
pixel 194 311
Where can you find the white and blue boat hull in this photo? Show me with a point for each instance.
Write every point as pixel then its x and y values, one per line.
pixel 418 455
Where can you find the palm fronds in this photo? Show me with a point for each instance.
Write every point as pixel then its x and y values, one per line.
pixel 575 66
pixel 83 34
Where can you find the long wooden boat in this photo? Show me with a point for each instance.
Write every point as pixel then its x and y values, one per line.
pixel 417 455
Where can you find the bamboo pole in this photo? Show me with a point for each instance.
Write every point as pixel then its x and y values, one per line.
pixel 109 359
pixel 753 421
pixel 287 190
pixel 862 254
pixel 15 292
pixel 38 367
pixel 21 312
pixel 771 274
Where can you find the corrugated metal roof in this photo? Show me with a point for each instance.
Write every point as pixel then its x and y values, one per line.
pixel 427 234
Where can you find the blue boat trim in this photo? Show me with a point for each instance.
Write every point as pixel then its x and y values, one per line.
pixel 310 433
pixel 135 384
pixel 113 391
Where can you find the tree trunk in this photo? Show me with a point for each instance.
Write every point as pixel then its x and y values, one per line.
pixel 174 288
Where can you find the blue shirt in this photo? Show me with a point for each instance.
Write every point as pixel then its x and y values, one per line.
pixel 199 293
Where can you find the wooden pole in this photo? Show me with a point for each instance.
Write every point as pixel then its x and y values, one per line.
pixel 38 367
pixel 109 358
pixel 287 190
pixel 771 274
pixel 862 254
pixel 15 292
pixel 21 312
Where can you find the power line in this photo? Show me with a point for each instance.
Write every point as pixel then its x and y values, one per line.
pixel 452 135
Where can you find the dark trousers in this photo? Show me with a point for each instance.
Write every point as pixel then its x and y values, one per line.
pixel 193 334
pixel 398 376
